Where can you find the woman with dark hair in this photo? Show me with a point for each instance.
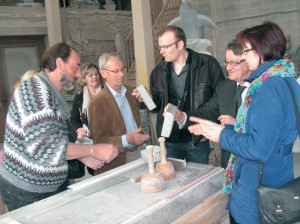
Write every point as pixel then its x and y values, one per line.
pixel 266 127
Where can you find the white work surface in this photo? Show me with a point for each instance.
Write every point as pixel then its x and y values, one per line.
pixel 112 198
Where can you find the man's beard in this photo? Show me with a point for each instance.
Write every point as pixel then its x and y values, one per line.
pixel 66 84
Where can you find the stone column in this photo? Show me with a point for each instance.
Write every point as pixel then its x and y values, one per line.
pixel 143 41
pixel 53 21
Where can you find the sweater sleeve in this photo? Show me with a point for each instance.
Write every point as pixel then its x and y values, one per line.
pixel 42 131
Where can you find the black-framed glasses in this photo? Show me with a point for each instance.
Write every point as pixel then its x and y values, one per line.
pixel 167 46
pixel 233 63
pixel 116 71
pixel 247 50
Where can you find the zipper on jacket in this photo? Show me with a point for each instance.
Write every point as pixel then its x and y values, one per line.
pixel 178 102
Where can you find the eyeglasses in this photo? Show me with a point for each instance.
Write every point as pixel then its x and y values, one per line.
pixel 247 50
pixel 233 63
pixel 167 46
pixel 116 71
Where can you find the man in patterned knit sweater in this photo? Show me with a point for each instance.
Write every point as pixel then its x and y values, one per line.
pixel 36 144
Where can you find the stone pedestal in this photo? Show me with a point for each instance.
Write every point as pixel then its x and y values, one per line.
pixel 112 198
pixel 199 45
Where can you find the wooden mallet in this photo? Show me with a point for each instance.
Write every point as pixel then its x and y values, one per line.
pixel 152 181
pixel 165 167
pixel 179 165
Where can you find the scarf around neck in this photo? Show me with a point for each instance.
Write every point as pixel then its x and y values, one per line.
pixel 87 99
pixel 282 68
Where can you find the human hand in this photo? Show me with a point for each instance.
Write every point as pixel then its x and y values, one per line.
pixel 226 119
pixel 136 137
pixel 104 152
pixel 92 162
pixel 81 133
pixel 137 95
pixel 165 109
pixel 178 116
pixel 208 129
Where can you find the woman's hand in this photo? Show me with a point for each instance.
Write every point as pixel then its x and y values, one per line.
pixel 81 133
pixel 208 129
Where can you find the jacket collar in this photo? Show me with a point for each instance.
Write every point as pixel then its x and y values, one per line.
pixel 163 64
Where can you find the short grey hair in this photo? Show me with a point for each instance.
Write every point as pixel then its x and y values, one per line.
pixel 103 59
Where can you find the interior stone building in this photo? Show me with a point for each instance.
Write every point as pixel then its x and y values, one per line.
pixel 93 31
pixel 94 28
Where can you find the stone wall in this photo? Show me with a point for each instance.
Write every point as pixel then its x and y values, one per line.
pixel 234 16
pixel 90 31
pixel 93 31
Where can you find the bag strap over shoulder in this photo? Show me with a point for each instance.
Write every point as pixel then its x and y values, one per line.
pixel 297 115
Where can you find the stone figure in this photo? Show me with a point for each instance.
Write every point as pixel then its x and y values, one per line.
pixel 192 21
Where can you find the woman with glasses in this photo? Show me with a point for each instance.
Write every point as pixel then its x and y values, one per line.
pixel 266 127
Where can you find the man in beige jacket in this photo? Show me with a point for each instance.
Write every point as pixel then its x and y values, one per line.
pixel 114 113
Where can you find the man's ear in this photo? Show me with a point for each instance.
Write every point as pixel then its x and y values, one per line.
pixel 180 44
pixel 102 73
pixel 59 63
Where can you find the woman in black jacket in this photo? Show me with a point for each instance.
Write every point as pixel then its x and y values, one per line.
pixel 79 126
pixel 92 84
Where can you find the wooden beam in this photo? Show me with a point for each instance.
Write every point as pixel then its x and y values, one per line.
pixel 143 41
pixel 210 211
pixel 53 22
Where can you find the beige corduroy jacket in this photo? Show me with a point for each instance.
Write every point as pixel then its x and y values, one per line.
pixel 107 124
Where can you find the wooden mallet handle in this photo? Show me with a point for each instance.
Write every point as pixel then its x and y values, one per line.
pixel 150 158
pixel 136 178
pixel 163 151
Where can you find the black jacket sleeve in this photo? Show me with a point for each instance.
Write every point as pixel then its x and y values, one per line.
pixel 75 119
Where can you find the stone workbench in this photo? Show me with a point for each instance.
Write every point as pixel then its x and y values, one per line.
pixel 112 198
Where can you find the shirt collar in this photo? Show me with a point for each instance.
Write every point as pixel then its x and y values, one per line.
pixel 246 84
pixel 115 93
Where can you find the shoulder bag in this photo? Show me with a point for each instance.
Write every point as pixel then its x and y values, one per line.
pixel 281 205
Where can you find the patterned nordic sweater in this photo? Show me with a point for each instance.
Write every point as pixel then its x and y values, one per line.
pixel 36 138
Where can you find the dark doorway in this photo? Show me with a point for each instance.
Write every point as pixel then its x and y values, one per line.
pixel 18 54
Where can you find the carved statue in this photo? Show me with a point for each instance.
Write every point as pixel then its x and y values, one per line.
pixel 192 21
